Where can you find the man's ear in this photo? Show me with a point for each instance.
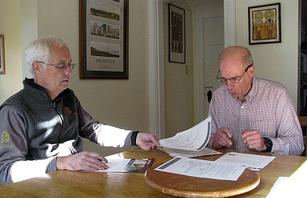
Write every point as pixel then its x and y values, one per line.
pixel 36 67
pixel 251 71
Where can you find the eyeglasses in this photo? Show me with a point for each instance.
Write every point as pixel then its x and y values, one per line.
pixel 61 66
pixel 233 80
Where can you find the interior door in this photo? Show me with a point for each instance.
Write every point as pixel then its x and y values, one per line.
pixel 213 44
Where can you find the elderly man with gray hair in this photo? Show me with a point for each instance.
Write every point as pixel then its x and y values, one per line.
pixel 252 113
pixel 42 126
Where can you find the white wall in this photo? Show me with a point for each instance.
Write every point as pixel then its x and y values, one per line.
pixel 123 103
pixel 28 27
pixel 179 93
pixel 279 61
pixel 10 26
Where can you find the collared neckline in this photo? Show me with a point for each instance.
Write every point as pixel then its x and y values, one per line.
pixel 30 83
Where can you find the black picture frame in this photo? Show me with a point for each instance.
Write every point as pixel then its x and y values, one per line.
pixel 104 39
pixel 176 29
pixel 264 24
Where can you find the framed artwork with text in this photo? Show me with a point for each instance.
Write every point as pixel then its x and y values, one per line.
pixel 104 39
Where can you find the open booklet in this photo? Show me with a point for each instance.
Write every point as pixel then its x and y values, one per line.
pixel 191 142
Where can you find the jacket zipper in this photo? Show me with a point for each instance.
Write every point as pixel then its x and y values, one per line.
pixel 62 121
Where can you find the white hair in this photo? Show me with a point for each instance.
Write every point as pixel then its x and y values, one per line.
pixel 40 50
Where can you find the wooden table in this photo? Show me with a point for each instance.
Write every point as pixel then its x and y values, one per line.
pixel 81 184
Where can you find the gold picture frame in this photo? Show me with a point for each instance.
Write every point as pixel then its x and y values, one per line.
pixel 264 24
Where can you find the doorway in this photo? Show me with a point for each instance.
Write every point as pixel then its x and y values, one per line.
pixel 204 13
pixel 213 44
pixel 208 28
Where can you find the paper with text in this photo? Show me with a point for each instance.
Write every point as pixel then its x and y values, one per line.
pixel 251 161
pixel 188 153
pixel 195 138
pixel 203 168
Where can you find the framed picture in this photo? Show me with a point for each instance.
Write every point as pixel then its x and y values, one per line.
pixel 264 24
pixel 2 57
pixel 103 39
pixel 176 29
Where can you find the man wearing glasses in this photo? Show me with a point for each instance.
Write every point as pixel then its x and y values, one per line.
pixel 252 113
pixel 41 126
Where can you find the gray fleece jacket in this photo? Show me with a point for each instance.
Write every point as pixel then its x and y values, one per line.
pixel 34 130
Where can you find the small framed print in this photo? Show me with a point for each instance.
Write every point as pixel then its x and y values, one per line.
pixel 2 55
pixel 264 24
pixel 176 22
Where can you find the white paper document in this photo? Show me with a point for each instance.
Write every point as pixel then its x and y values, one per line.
pixel 189 153
pixel 128 165
pixel 203 168
pixel 251 161
pixel 292 186
pixel 195 138
pixel 278 185
pixel 116 165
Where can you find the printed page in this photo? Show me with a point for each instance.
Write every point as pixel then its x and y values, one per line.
pixel 195 138
pixel 251 161
pixel 189 153
pixel 203 168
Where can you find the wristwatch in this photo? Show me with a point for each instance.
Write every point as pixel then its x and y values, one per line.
pixel 133 137
pixel 268 143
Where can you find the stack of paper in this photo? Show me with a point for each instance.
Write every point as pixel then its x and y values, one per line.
pixel 191 142
pixel 228 167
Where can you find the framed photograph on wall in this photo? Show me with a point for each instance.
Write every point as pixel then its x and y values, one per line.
pixel 2 55
pixel 264 24
pixel 103 39
pixel 176 29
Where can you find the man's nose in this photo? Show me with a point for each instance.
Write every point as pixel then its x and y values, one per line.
pixel 229 85
pixel 67 70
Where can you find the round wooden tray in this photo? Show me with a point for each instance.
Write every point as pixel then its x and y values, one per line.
pixel 185 186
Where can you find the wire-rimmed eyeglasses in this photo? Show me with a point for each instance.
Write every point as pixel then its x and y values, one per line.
pixel 233 80
pixel 61 66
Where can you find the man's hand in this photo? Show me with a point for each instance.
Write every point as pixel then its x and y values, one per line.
pixel 222 138
pixel 86 161
pixel 253 139
pixel 147 141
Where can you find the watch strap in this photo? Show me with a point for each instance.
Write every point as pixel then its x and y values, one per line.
pixel 268 143
pixel 133 137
